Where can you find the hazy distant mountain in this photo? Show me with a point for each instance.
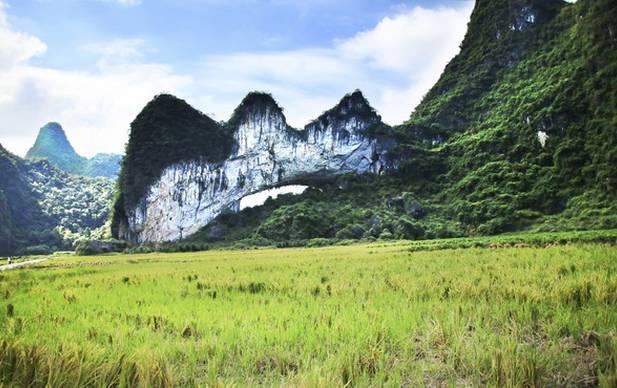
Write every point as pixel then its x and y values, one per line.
pixel 53 145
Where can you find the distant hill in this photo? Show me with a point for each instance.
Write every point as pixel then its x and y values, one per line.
pixel 53 145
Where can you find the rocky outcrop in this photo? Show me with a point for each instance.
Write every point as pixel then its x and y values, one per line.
pixel 266 153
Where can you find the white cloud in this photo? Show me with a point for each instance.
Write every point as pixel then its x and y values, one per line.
pixel 15 48
pixel 95 108
pixel 124 3
pixel 394 63
pixel 118 50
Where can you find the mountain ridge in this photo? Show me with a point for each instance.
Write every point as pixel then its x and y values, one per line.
pixel 259 149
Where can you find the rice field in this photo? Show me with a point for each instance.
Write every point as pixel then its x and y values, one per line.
pixel 382 314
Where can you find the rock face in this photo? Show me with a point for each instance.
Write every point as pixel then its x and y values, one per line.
pixel 266 153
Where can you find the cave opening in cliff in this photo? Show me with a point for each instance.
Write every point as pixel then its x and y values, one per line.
pixel 258 199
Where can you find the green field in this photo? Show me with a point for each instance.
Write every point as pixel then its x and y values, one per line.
pixel 382 314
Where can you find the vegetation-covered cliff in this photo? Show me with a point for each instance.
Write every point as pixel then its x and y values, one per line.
pixel 519 133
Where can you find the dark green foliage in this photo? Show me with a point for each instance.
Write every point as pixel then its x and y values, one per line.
pixel 482 119
pixel 296 222
pixel 44 209
pixel 22 221
pixel 253 103
pixel 97 247
pixel 503 177
pixel 349 208
pixel 167 131
pixel 76 204
pixel 498 35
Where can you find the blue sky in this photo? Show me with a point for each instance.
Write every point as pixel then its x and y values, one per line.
pixel 92 64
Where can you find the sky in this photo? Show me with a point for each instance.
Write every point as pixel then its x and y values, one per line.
pixel 92 65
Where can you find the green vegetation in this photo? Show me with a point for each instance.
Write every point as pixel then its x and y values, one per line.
pixel 513 80
pixel 342 209
pixel 470 155
pixel 77 206
pixel 357 315
pixel 43 209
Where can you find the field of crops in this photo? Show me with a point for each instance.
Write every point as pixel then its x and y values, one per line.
pixel 382 314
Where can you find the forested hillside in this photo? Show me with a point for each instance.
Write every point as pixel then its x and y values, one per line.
pixel 528 112
pixel 43 209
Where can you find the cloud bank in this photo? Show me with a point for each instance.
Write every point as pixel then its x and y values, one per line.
pixel 394 63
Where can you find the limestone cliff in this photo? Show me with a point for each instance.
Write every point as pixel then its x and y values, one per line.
pixel 265 152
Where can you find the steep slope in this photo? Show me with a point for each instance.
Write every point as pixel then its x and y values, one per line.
pixel 527 115
pixel 19 212
pixel 53 145
pixel 499 34
pixel 183 169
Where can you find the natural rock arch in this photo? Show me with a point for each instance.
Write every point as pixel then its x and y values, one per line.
pixel 266 153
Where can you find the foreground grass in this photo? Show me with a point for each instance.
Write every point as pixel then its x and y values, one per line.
pixel 338 316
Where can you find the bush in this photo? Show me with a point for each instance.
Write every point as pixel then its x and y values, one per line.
pixel 37 250
pixel 97 247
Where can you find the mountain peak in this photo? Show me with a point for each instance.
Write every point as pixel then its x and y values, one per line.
pixel 354 100
pixel 255 103
pixel 352 105
pixel 495 20
pixel 165 98
pixel 52 134
pixel 52 144
pixel 52 126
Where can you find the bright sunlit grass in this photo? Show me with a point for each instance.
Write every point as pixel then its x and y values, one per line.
pixel 357 315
